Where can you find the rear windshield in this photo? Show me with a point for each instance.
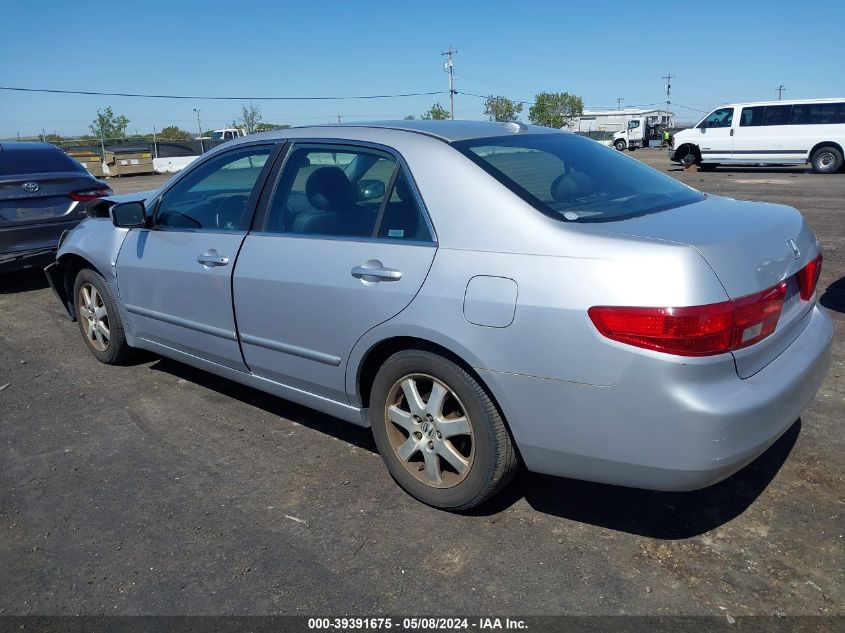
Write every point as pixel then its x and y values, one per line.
pixel 576 179
pixel 35 161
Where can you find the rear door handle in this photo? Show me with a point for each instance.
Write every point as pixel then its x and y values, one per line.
pixel 211 258
pixel 374 271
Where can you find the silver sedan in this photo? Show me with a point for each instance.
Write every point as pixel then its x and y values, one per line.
pixel 481 295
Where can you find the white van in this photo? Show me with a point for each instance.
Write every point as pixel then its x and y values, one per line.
pixel 767 133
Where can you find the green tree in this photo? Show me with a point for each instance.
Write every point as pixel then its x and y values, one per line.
pixel 174 132
pixel 250 118
pixel 107 125
pixel 498 108
pixel 555 109
pixel 436 112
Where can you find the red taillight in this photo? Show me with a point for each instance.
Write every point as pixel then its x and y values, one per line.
pixel 694 331
pixel 90 194
pixel 808 277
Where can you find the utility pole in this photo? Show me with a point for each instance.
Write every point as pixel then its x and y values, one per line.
pixel 449 67
pixel 199 125
pixel 199 129
pixel 619 101
pixel 668 77
pixel 780 90
pixel 338 118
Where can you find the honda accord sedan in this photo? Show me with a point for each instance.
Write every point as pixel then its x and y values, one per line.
pixel 481 295
pixel 41 189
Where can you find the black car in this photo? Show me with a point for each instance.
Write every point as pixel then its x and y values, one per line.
pixel 43 192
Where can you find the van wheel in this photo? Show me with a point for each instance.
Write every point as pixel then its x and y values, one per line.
pixel 826 160
pixel 99 319
pixel 438 432
pixel 619 145
pixel 689 159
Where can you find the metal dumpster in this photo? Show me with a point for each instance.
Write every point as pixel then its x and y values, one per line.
pixel 124 161
pixel 92 161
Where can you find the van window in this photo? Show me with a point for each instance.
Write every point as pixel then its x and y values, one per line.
pixel 752 116
pixel 723 117
pixel 818 113
pixel 777 115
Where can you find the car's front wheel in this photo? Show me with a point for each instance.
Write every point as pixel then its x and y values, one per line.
pixel 438 432
pixel 98 318
pixel 619 145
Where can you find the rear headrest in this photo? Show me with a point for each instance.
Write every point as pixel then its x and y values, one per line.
pixel 328 189
pixel 572 185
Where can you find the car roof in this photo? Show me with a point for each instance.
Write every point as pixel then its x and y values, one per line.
pixel 785 102
pixel 26 145
pixel 444 130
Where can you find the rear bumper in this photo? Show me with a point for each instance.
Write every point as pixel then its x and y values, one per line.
pixel 30 245
pixel 662 425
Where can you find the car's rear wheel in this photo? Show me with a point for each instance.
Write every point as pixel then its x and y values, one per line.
pixel 98 318
pixel 826 160
pixel 438 432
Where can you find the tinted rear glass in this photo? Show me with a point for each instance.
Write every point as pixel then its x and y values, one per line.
pixel 573 178
pixel 36 161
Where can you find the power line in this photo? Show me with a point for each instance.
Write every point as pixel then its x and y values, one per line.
pixel 217 98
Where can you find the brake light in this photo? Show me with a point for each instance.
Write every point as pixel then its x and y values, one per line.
pixel 808 277
pixel 90 194
pixel 706 330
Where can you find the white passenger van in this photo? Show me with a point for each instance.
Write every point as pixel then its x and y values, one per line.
pixel 767 133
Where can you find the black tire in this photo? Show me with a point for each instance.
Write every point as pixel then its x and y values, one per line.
pixel 826 160
pixel 494 460
pixel 619 145
pixel 117 351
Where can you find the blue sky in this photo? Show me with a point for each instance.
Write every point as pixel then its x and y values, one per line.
pixel 719 52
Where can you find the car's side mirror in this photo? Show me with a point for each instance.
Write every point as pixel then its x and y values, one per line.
pixel 129 215
pixel 370 189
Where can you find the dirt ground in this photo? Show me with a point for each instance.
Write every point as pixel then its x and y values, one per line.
pixel 160 489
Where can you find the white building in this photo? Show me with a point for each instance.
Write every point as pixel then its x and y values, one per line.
pixel 617 120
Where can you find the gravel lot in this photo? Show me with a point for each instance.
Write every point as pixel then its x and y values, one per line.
pixel 160 489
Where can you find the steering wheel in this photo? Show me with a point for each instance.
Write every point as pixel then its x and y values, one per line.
pixel 229 212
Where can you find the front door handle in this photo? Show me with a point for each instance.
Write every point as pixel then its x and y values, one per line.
pixel 211 258
pixel 374 271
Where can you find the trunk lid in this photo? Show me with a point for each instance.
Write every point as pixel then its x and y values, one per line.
pixel 35 198
pixel 749 245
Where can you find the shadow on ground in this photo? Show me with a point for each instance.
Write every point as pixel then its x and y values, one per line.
pixel 23 281
pixel 834 296
pixel 661 515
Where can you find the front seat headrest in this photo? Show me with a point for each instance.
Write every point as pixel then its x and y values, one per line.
pixel 573 185
pixel 328 189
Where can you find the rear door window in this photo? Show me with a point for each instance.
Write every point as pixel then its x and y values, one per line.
pixel 345 191
pixel 777 115
pixel 752 117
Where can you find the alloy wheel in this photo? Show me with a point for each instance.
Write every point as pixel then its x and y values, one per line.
pixel 429 430
pixel 95 317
